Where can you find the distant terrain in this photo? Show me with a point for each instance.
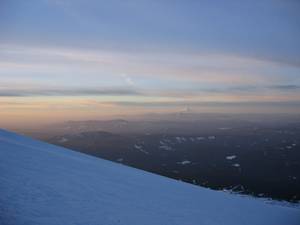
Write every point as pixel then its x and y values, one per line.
pixel 249 154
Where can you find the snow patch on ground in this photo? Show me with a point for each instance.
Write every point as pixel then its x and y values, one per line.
pixel 165 146
pixel 180 139
pixel 184 162
pixel 63 140
pixel 236 165
pixel 200 138
pixel 231 157
pixel 140 148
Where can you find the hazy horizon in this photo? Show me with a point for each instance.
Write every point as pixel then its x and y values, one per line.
pixel 173 117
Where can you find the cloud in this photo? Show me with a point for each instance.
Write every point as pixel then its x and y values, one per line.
pixel 289 87
pixel 189 104
pixel 188 66
pixel 127 79
pixel 69 92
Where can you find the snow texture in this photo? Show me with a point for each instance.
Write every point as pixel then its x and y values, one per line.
pixel 41 184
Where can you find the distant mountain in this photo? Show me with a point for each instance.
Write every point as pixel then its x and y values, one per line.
pixel 174 123
pixel 49 185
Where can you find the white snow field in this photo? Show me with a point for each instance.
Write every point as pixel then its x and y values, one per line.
pixel 44 184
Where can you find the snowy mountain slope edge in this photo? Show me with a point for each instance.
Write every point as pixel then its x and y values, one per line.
pixel 46 184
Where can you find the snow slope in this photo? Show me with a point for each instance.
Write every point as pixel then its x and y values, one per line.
pixel 44 184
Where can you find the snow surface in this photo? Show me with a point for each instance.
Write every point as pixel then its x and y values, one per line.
pixel 41 184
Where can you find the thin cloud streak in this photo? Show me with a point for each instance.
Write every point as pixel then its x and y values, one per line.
pixel 202 67
pixel 131 90
pixel 196 104
pixel 289 87
pixel 69 92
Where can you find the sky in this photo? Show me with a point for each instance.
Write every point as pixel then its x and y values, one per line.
pixel 76 59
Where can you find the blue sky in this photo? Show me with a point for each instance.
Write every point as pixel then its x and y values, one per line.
pixel 57 53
